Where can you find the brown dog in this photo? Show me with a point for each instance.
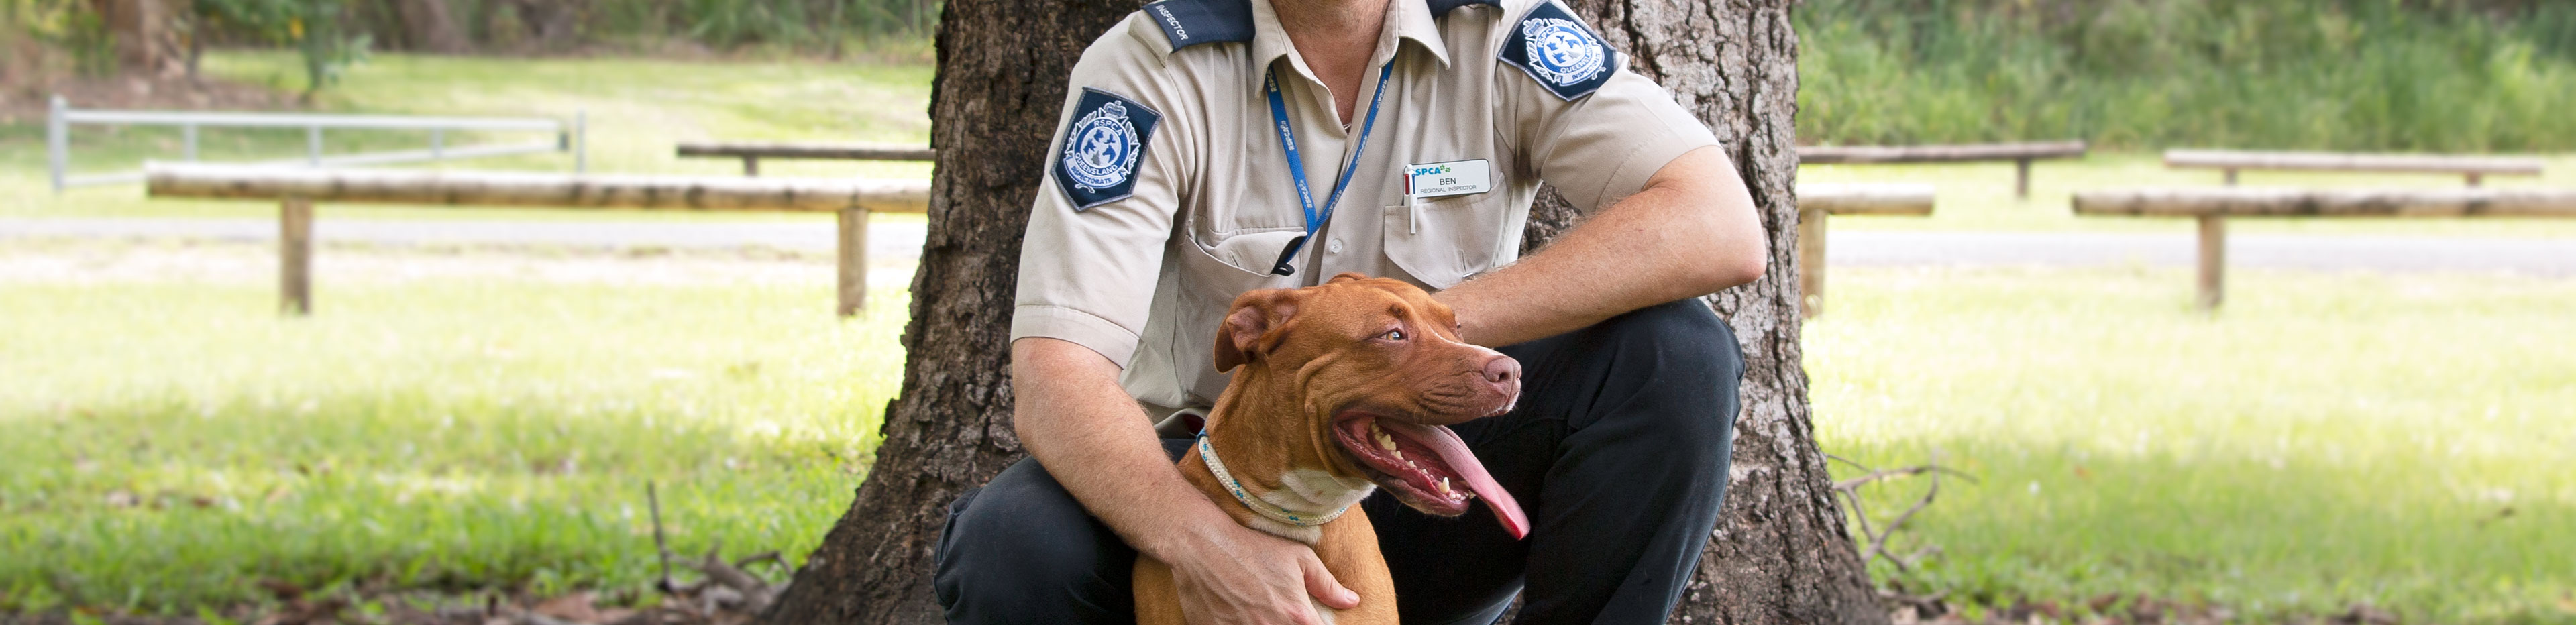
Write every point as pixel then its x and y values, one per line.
pixel 1339 389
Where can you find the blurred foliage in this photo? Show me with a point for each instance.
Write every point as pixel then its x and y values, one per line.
pixel 805 26
pixel 315 28
pixel 59 31
pixel 2447 75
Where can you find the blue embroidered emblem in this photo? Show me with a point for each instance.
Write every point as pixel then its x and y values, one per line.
pixel 1102 147
pixel 1555 48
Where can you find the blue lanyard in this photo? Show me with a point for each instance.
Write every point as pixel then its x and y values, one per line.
pixel 1297 168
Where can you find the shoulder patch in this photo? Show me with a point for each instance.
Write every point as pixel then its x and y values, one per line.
pixel 1560 52
pixel 1192 22
pixel 1102 147
pixel 1443 7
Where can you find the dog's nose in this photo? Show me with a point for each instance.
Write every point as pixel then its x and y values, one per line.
pixel 1503 372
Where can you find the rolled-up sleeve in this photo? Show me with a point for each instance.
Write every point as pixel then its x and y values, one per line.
pixel 1087 273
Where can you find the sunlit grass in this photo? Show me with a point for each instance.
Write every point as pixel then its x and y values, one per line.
pixel 172 443
pixel 2325 440
pixel 637 110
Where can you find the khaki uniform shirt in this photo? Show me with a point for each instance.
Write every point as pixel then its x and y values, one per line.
pixel 1173 194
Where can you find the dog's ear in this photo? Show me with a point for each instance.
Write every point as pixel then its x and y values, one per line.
pixel 1253 316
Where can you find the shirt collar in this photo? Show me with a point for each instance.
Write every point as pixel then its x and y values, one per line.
pixel 1406 20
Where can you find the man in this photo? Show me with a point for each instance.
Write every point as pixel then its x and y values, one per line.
pixel 1212 147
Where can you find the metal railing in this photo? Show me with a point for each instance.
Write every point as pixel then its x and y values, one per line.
pixel 568 137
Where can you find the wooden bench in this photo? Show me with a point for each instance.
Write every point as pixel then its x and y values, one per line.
pixel 2021 154
pixel 2212 207
pixel 752 151
pixel 297 189
pixel 1816 201
pixel 2474 168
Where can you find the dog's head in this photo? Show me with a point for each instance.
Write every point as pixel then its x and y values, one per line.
pixel 1381 372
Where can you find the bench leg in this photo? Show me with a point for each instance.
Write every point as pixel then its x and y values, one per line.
pixel 2231 177
pixel 853 261
pixel 2213 261
pixel 751 166
pixel 295 256
pixel 2475 179
pixel 2021 178
pixel 1811 262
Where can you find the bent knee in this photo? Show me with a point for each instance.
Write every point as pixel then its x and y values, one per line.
pixel 1686 342
pixel 1022 550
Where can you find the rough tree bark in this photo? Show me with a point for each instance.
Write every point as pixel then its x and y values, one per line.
pixel 1780 555
pixel 994 103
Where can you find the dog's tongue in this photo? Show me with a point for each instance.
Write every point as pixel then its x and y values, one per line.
pixel 1454 453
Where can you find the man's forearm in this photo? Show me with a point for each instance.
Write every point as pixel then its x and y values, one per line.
pixel 1073 417
pixel 1692 231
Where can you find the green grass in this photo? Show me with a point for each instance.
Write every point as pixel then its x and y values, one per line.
pixel 173 441
pixel 2327 439
pixel 2327 74
pixel 637 110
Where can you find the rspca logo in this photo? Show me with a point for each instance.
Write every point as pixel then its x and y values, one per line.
pixel 1102 145
pixel 1101 151
pixel 1561 51
pixel 1432 170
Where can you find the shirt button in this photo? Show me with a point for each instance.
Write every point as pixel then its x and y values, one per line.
pixel 1334 246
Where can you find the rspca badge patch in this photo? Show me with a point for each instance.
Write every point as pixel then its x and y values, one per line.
pixel 1102 147
pixel 1559 52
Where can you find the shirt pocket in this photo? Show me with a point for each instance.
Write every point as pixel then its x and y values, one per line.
pixel 1441 241
pixel 1210 275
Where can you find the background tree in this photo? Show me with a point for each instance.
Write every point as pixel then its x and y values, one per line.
pixel 1780 555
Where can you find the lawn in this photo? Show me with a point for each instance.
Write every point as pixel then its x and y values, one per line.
pixel 456 421
pixel 2326 439
pixel 485 419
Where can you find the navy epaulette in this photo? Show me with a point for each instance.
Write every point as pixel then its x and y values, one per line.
pixel 1192 22
pixel 1443 7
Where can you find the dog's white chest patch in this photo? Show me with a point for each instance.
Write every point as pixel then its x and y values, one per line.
pixel 1322 613
pixel 1310 489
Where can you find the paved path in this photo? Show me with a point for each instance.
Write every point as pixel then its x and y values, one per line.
pixel 2551 257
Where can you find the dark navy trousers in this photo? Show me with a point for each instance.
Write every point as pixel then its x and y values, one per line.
pixel 1618 450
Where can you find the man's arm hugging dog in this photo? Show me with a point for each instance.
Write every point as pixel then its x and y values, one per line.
pixel 1225 428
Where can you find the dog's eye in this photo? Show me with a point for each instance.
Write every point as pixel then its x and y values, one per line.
pixel 1393 335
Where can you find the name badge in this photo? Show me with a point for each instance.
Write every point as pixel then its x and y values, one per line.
pixel 1432 180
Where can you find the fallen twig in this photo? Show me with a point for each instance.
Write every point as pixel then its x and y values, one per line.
pixel 653 499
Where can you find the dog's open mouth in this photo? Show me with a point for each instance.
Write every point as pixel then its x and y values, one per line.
pixel 1427 467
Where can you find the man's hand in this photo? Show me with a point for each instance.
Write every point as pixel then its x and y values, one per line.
pixel 1233 574
pixel 1086 431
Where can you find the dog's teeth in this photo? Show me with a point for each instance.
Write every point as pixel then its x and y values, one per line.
pixel 1386 442
pixel 1444 484
pixel 1399 455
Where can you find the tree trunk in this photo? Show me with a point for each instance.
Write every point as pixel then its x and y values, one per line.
pixel 140 30
pixel 994 105
pixel 427 26
pixel 1780 555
